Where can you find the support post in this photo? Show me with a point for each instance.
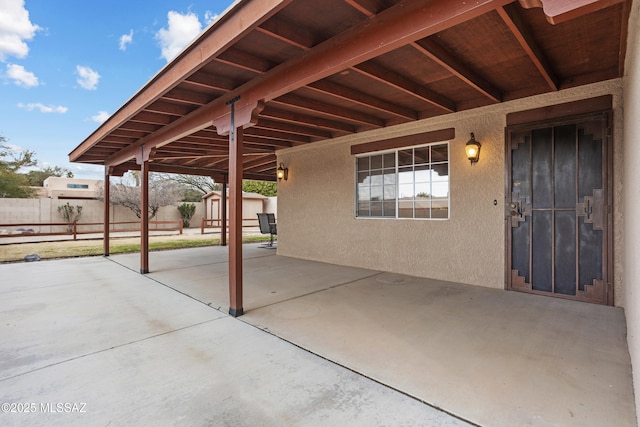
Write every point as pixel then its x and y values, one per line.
pixel 235 217
pixel 223 206
pixel 143 158
pixel 144 217
pixel 107 219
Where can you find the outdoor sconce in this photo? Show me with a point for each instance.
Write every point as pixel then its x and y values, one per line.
pixel 282 172
pixel 472 149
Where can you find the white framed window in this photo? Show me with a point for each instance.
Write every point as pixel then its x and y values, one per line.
pixel 410 182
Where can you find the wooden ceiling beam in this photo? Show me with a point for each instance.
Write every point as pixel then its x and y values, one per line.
pixel 331 110
pixel 287 32
pixel 514 22
pixel 240 59
pixel 277 138
pixel 317 122
pixel 366 7
pixel 445 59
pixel 146 117
pixel 352 95
pixel 137 126
pixel 294 128
pixel 409 87
pixel 169 108
pixel 210 81
pixel 181 95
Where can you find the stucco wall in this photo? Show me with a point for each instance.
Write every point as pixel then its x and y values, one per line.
pixel 316 205
pixel 632 193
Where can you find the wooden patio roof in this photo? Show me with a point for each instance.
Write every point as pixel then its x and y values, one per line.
pixel 309 70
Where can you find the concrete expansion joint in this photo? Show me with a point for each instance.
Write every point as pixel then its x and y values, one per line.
pixel 360 374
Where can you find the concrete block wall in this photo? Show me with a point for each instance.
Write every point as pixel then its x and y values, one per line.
pixel 38 211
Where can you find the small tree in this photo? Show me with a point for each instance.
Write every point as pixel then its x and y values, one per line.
pixel 162 192
pixel 70 214
pixel 186 213
pixel 12 182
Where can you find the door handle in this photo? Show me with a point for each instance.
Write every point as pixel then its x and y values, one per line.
pixel 516 209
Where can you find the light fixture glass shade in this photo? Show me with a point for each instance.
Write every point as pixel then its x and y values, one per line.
pixel 472 149
pixel 282 172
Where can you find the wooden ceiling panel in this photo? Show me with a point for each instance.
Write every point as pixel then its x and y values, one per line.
pixel 586 44
pixel 391 61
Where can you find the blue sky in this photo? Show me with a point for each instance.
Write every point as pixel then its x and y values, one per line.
pixel 66 65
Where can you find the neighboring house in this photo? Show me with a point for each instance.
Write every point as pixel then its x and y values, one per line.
pixel 252 204
pixel 369 105
pixel 70 188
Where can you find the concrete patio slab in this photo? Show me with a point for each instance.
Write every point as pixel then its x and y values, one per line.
pixel 203 274
pixel 58 310
pixel 492 357
pixel 89 342
pixel 489 356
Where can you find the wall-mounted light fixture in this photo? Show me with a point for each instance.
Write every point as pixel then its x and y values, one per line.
pixel 472 149
pixel 282 172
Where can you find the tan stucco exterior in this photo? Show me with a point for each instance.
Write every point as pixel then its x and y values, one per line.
pixel 70 188
pixel 631 232
pixel 467 248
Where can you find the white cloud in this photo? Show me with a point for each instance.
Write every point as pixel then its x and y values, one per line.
pixel 87 78
pixel 209 17
pixel 21 77
pixel 182 30
pixel 101 117
pixel 126 39
pixel 43 108
pixel 15 29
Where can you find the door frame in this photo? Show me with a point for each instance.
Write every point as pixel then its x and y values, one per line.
pixel 567 113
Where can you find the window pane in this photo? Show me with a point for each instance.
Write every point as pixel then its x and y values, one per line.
pixel 405 175
pixel 440 170
pixel 390 177
pixel 376 192
pixel 440 153
pixel 363 163
pixel 423 174
pixel 423 191
pixel 405 209
pixel 376 178
pixel 376 208
pixel 363 209
pixel 376 162
pixel 438 212
pixel 363 192
pixel 406 191
pixel 421 155
pixel 389 209
pixel 390 192
pixel 389 160
pixel 405 157
pixel 363 177
pixel 440 189
pixel 422 212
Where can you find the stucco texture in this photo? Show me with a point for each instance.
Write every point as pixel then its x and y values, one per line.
pixel 632 192
pixel 316 218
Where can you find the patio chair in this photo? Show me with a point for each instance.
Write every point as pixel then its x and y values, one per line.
pixel 268 225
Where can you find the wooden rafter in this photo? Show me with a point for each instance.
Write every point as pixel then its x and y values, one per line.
pixel 512 19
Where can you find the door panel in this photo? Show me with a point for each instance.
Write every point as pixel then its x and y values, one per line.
pixel 557 216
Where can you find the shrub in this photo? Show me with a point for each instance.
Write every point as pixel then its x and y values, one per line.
pixel 186 213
